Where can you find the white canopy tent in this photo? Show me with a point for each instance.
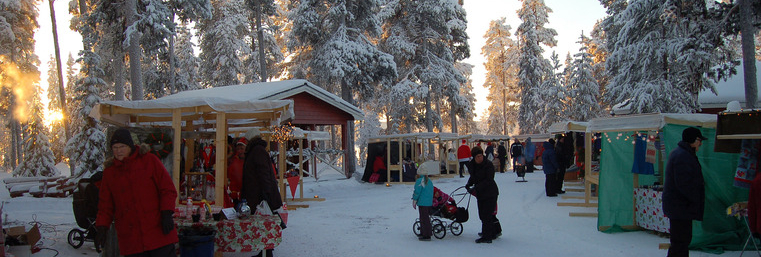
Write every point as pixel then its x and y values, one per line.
pixel 215 109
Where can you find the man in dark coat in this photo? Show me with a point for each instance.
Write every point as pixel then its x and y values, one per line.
pixel 550 167
pixel 502 155
pixel 563 156
pixel 482 184
pixel 684 190
pixel 258 175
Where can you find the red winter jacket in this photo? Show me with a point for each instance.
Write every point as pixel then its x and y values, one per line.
pixel 463 153
pixel 133 193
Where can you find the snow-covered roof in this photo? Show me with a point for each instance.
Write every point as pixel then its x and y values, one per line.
pixel 566 126
pixel 733 89
pixel 534 137
pixel 275 90
pixel 650 121
pixel 478 137
pixel 240 106
pixel 421 135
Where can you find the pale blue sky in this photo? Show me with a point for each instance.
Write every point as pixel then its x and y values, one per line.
pixel 569 18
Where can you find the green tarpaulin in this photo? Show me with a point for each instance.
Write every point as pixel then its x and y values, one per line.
pixel 716 232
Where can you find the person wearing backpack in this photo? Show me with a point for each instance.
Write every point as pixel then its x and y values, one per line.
pixel 516 151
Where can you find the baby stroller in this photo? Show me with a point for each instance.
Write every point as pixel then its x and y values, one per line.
pixel 446 215
pixel 85 204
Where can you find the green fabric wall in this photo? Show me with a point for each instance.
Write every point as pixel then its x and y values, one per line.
pixel 716 232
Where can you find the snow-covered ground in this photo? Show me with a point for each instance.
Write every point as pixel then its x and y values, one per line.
pixel 361 219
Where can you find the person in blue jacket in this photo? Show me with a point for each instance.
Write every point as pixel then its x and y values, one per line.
pixel 422 199
pixel 530 150
pixel 550 167
pixel 684 191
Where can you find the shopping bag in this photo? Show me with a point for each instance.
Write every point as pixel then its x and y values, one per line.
pixel 374 178
pixel 263 208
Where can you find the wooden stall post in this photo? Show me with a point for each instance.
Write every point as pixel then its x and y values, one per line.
pixel 221 163
pixel 301 169
pixel 176 144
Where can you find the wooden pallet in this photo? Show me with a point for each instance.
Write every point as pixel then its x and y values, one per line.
pixel 582 214
pixel 578 204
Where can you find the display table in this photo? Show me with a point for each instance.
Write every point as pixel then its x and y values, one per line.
pixel 648 210
pixel 252 234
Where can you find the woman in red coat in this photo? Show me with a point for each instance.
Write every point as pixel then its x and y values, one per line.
pixel 137 194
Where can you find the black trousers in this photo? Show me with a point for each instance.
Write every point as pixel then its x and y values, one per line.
pixel 167 250
pixel 559 179
pixel 529 166
pixel 549 184
pixel 681 236
pixel 462 167
pixel 425 221
pixel 489 223
pixel 502 162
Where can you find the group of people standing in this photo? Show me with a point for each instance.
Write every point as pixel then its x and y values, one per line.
pixel 556 158
pixel 138 196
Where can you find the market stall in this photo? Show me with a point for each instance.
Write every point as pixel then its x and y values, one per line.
pixel 402 150
pixel 578 131
pixel 213 111
pixel 620 174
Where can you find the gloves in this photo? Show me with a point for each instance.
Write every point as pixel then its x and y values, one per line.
pixel 414 204
pixel 100 236
pixel 167 223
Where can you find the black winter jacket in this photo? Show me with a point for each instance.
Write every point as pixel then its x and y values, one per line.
pixel 684 190
pixel 259 177
pixel 482 179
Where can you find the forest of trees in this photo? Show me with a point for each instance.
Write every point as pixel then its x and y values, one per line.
pixel 400 61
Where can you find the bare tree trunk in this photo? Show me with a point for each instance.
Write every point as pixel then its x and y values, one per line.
pixel 15 146
pixel 172 62
pixel 453 117
pixel 350 159
pixel 61 89
pixel 749 54
pixel 260 40
pixel 135 53
pixel 119 76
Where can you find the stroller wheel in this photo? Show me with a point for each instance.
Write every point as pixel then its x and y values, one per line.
pixel 436 221
pixel 439 231
pixel 416 228
pixel 76 238
pixel 456 228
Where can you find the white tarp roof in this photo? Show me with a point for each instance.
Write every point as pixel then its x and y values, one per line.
pixel 478 137
pixel 566 126
pixel 274 90
pixel 534 137
pixel 421 135
pixel 162 107
pixel 651 121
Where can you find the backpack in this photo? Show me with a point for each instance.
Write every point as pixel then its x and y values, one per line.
pixel 516 150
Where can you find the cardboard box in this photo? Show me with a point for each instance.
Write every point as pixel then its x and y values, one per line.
pixel 28 239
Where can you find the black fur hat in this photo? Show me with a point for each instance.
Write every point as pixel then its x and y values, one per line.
pixel 123 136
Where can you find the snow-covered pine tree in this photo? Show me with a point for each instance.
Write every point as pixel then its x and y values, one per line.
pixel 57 132
pixel 501 54
pixel 263 24
pixel 427 38
pixel 343 57
pixel 222 42
pixel 553 94
pixel 38 158
pixel 87 147
pixel 468 122
pixel 664 55
pixel 531 34
pixel 187 62
pixel 599 51
pixel 584 92
pixel 18 23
